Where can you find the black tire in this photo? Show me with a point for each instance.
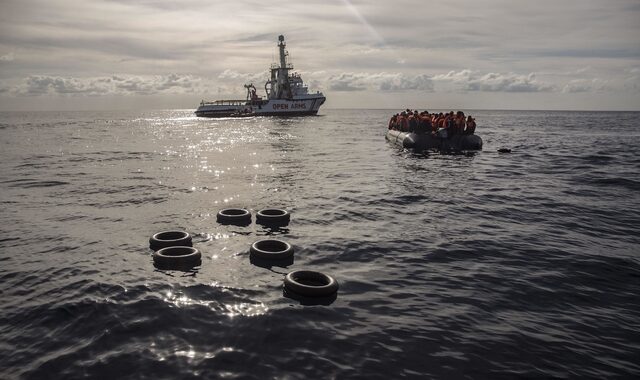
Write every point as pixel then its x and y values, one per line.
pixel 179 257
pixel 271 249
pixel 310 283
pixel 170 239
pixel 273 217
pixel 237 216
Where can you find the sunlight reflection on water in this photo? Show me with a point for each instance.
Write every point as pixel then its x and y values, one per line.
pixel 231 310
pixel 491 256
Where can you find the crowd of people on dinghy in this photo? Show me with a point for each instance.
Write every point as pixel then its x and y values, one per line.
pixel 443 124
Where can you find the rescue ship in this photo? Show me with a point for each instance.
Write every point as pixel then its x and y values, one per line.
pixel 286 95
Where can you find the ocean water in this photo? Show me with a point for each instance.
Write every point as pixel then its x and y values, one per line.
pixel 485 265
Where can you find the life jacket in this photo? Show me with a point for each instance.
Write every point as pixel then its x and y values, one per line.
pixel 422 125
pixel 458 125
pixel 471 127
pixel 413 123
pixel 450 125
pixel 404 124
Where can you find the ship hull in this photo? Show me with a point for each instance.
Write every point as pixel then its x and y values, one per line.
pixel 274 107
pixel 428 141
pixel 212 111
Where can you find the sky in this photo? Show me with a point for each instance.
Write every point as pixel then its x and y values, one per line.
pixel 449 54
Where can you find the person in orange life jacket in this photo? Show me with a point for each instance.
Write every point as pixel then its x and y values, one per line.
pixel 424 123
pixel 453 123
pixel 442 131
pixel 443 121
pixel 392 121
pixel 452 129
pixel 446 122
pixel 459 121
pixel 403 122
pixel 436 122
pixel 471 126
pixel 413 122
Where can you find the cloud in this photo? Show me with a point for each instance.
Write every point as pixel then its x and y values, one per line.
pixel 633 53
pixel 36 85
pixel 468 80
pixel 237 77
pixel 347 82
pixel 7 57
pixel 497 47
pixel 231 81
pixel 632 81
pixel 584 85
pixel 387 82
pixel 41 85
pixel 401 82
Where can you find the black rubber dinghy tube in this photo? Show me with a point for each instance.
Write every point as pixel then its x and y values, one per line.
pixel 310 283
pixel 273 216
pixel 180 257
pixel 170 239
pixel 271 249
pixel 239 216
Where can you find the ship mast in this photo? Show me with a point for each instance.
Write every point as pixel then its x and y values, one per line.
pixel 280 75
pixel 283 53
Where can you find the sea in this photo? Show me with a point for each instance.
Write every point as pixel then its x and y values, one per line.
pixel 477 265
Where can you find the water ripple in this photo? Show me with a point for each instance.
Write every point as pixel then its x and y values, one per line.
pixel 484 265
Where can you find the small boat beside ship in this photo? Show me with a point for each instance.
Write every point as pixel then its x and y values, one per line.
pixel 286 95
pixel 431 141
pixel 445 132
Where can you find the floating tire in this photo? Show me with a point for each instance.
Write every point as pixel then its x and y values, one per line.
pixel 170 239
pixel 237 216
pixel 180 257
pixel 271 249
pixel 273 217
pixel 310 284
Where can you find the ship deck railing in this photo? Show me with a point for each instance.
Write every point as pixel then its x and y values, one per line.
pixel 275 66
pixel 233 102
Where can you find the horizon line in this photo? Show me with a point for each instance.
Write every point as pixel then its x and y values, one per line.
pixel 334 109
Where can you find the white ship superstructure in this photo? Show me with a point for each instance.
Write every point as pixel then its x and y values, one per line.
pixel 286 95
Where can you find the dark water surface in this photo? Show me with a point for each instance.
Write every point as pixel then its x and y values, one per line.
pixel 450 266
